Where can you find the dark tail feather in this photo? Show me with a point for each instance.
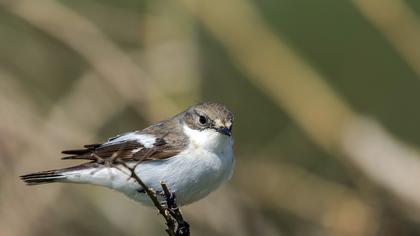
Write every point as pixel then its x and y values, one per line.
pixel 51 176
pixel 43 177
pixel 75 157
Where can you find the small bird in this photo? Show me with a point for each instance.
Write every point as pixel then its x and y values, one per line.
pixel 191 152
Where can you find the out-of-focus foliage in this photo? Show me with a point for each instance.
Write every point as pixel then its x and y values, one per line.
pixel 325 95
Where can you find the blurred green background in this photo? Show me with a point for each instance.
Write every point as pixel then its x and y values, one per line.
pixel 325 95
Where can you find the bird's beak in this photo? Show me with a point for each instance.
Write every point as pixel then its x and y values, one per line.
pixel 225 130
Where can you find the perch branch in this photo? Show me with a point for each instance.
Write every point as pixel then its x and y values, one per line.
pixel 176 225
pixel 170 198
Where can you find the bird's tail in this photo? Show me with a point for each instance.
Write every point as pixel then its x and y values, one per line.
pixel 52 176
pixel 43 177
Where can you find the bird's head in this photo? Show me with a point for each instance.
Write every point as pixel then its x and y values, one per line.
pixel 208 124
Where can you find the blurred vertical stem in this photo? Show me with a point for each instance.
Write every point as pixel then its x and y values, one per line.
pixel 43 136
pixel 399 25
pixel 303 93
pixel 112 64
pixel 170 50
pixel 339 209
pixel 274 67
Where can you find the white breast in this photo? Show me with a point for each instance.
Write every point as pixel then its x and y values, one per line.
pixel 194 173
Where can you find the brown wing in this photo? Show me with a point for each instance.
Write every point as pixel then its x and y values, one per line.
pixel 129 150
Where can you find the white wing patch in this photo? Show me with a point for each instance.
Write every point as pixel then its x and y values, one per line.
pixel 136 150
pixel 146 140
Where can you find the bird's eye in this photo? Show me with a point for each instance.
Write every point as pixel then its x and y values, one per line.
pixel 203 120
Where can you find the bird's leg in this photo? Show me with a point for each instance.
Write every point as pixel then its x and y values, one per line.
pixel 161 193
pixel 183 228
pixel 169 196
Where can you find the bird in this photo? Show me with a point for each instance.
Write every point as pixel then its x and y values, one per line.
pixel 191 152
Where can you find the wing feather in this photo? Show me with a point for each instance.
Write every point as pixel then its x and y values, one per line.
pixel 126 149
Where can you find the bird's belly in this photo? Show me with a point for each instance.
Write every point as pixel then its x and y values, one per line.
pixel 190 177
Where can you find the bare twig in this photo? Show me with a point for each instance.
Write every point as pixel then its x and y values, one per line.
pixel 183 228
pixel 176 225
